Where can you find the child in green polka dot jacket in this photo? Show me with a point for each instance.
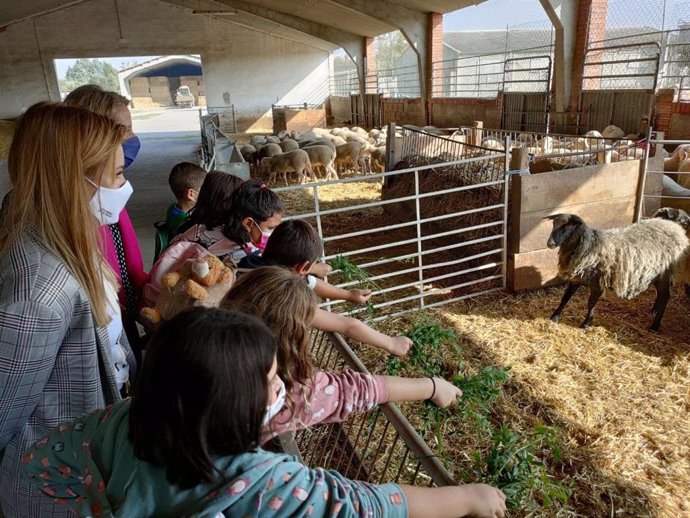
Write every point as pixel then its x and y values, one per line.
pixel 186 443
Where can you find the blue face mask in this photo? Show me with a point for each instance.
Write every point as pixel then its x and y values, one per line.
pixel 131 147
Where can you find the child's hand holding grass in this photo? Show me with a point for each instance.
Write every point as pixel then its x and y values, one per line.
pixel 399 345
pixel 358 296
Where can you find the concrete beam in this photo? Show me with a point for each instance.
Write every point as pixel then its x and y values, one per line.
pixel 353 44
pixel 563 15
pixel 411 23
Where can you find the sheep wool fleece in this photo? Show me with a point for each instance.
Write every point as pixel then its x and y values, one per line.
pixel 630 258
pixel 89 465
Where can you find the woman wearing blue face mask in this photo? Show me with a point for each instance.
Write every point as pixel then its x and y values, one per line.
pixel 121 247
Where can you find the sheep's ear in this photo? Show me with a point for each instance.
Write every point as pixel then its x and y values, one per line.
pixel 555 216
pixel 664 213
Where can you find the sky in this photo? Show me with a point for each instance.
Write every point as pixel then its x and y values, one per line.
pixel 61 65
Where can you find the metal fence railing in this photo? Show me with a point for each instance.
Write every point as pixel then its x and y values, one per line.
pixel 437 233
pixel 660 188
pixel 400 82
pixel 378 447
pixel 225 117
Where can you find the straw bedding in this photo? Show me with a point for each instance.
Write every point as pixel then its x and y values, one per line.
pixel 619 394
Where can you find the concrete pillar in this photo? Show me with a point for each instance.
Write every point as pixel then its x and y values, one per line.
pixel 434 67
pixel 371 81
pixel 563 17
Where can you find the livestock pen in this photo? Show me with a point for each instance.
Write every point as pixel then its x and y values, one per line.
pixel 568 422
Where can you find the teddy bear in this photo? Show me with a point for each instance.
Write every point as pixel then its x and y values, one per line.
pixel 199 282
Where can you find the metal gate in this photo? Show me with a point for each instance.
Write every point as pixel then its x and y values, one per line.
pixel 526 93
pixel 366 111
pixel 618 84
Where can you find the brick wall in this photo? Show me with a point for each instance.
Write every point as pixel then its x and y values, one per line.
pixel 403 111
pixel 591 26
pixel 663 110
pixel 435 67
pixel 451 112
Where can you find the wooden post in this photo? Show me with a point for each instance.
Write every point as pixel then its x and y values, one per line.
pixel 476 134
pixel 390 150
pixel 519 159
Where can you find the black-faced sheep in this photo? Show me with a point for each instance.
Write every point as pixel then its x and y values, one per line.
pixel 626 260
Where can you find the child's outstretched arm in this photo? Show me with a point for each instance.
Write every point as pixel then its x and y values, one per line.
pixel 477 500
pixel 331 397
pixel 328 291
pixel 320 269
pixel 358 330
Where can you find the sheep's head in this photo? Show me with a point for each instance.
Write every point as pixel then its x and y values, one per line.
pixel 678 215
pixel 564 226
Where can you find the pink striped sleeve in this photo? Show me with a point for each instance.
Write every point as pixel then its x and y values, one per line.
pixel 330 397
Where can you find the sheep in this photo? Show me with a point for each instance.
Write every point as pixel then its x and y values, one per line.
pixel 323 156
pixel 348 154
pixel 378 159
pixel 671 188
pixel 271 139
pixel 296 160
pixel 269 150
pixel 683 219
pixel 626 260
pixel 318 142
pixel 249 154
pixel 679 154
pixel 288 145
pixel 684 167
pixel 613 132
pixel 257 140
pixel 492 143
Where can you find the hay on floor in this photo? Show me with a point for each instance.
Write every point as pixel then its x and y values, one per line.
pixel 619 394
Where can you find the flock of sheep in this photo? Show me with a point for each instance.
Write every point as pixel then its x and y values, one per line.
pixel 304 154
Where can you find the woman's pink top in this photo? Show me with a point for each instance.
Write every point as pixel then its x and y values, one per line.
pixel 132 252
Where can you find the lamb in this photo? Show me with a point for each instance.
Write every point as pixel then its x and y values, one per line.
pixel 257 140
pixel 288 145
pixel 271 139
pixel 249 154
pixel 296 160
pixel 378 159
pixel 269 150
pixel 323 156
pixel 348 154
pixel 318 142
pixel 626 260
pixel 613 132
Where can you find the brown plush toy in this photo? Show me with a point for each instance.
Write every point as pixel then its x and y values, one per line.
pixel 203 282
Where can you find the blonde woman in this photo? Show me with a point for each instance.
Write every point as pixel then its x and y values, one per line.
pixel 118 238
pixel 61 350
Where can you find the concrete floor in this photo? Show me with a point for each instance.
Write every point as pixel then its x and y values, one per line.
pixel 167 137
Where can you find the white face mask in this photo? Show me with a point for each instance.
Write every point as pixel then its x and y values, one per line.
pixel 274 409
pixel 106 204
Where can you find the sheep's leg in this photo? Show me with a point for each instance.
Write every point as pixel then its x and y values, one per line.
pixel 663 293
pixel 687 290
pixel 595 291
pixel 570 290
pixel 331 172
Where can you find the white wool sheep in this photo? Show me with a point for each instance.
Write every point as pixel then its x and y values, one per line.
pixel 627 260
pixel 322 156
pixel 683 219
pixel 679 154
pixel 288 145
pixel 348 154
pixel 613 132
pixel 293 161
pixel 257 140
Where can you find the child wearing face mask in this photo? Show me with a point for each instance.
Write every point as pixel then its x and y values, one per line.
pixel 187 442
pixel 286 304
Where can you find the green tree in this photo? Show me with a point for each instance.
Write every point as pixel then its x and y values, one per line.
pixel 90 71
pixel 389 48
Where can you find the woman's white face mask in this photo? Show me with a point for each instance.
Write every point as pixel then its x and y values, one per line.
pixel 106 204
pixel 274 408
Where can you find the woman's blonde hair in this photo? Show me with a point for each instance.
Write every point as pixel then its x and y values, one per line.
pixel 54 148
pixel 286 304
pixel 95 99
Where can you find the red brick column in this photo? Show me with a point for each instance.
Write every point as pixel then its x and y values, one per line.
pixel 591 26
pixel 370 81
pixel 663 110
pixel 434 67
